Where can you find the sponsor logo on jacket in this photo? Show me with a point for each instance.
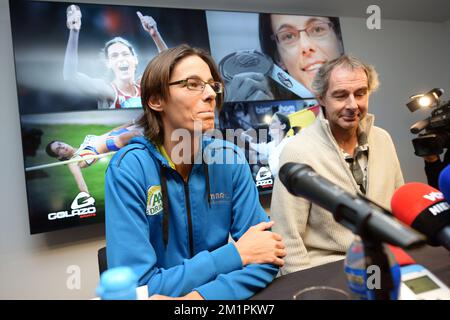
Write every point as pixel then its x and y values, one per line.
pixel 154 201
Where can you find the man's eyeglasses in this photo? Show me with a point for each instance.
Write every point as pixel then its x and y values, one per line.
pixel 290 36
pixel 195 84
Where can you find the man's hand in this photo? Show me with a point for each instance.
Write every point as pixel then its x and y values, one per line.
pixel 73 17
pixel 258 245
pixel 148 23
pixel 248 86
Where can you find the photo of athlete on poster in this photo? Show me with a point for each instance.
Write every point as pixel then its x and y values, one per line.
pixel 282 59
pixel 262 129
pixel 90 56
pixel 68 168
pixel 90 149
pixel 120 57
pixel 78 79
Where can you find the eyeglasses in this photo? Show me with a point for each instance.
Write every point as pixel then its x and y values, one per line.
pixel 315 31
pixel 195 84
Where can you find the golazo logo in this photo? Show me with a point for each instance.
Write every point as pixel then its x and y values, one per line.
pixel 264 178
pixel 82 205
pixel 433 196
pixel 88 201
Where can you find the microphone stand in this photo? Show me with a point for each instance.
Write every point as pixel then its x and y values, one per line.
pixel 374 252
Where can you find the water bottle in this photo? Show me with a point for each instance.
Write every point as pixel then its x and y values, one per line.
pixel 117 284
pixel 357 274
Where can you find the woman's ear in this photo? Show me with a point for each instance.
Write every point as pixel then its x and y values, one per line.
pixel 154 103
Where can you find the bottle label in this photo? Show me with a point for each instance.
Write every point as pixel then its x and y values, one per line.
pixel 356 281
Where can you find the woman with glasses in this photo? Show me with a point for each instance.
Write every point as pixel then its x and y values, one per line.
pixel 174 196
pixel 300 44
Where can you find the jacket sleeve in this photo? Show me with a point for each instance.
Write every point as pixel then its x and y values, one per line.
pixel 128 241
pixel 247 212
pixel 290 214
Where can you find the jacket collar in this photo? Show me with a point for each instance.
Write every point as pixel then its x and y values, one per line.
pixel 153 149
pixel 364 127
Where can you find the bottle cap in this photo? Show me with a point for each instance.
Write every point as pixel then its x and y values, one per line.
pixel 117 284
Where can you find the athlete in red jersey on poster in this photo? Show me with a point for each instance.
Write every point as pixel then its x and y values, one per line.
pixel 120 57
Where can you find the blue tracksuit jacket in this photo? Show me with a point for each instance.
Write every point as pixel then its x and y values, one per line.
pixel 175 234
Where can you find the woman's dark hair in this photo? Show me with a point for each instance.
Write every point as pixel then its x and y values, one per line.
pixel 51 153
pixel 155 83
pixel 284 119
pixel 117 40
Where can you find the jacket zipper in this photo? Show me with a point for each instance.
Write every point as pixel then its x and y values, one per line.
pixel 189 216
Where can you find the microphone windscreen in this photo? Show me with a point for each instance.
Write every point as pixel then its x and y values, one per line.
pixel 423 208
pixel 411 199
pixel 444 182
pixel 401 256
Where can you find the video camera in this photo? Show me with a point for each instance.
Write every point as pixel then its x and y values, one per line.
pixel 434 131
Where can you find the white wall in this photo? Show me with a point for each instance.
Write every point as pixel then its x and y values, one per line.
pixel 34 266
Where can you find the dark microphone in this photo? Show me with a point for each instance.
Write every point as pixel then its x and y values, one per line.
pixel 357 213
pixel 423 208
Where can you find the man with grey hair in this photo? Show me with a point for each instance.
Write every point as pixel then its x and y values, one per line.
pixel 343 146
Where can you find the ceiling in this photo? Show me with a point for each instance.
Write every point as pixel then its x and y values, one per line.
pixel 416 10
